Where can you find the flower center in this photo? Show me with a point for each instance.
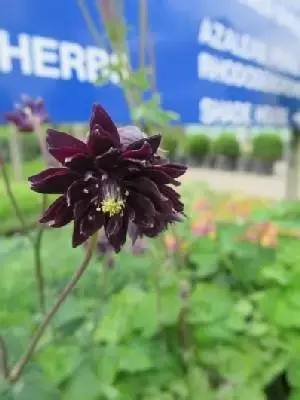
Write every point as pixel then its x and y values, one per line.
pixel 112 206
pixel 112 202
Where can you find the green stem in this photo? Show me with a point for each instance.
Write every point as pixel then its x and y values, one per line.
pixel 4 370
pixel 21 364
pixel 12 199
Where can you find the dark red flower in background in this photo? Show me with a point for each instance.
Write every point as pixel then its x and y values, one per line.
pixel 111 181
pixel 24 114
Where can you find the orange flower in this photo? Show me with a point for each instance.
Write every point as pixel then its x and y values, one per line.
pixel 205 227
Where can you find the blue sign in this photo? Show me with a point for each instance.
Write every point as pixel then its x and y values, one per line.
pixel 218 62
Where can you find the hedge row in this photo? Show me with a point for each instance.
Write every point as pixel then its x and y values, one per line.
pixel 264 146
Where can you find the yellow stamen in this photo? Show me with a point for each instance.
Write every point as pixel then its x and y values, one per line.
pixel 112 206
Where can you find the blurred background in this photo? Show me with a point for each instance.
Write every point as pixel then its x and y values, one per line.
pixel 211 310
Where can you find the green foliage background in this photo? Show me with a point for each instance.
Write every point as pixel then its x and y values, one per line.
pixel 218 318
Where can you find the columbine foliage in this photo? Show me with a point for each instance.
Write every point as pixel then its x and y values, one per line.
pixel 214 317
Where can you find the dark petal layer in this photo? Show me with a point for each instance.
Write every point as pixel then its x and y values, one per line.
pixel 100 117
pixel 78 191
pixel 116 231
pixel 53 180
pixel 160 177
pixel 153 141
pixel 80 163
pixel 174 170
pixel 61 140
pixel 133 232
pixel 160 223
pixel 173 196
pixel 78 236
pixel 91 222
pixel 99 142
pixel 143 153
pixel 58 214
pixel 141 206
pixel 80 209
pixel 147 187
pixel 108 159
pixel 103 132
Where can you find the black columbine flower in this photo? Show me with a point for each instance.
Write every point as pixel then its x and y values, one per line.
pixel 24 114
pixel 116 180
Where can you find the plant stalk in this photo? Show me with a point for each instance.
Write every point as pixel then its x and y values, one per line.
pixel 21 364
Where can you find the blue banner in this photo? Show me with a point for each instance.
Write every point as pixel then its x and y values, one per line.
pixel 218 62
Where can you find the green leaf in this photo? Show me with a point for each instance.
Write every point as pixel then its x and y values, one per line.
pixel 33 386
pixel 145 317
pixel 118 321
pixel 83 385
pixel 209 302
pixel 171 304
pixel 107 362
pixel 198 385
pixel 134 358
pixel 5 390
pixel 138 79
pixel 293 374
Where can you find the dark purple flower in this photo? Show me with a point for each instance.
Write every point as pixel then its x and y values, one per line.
pixel 110 182
pixel 25 114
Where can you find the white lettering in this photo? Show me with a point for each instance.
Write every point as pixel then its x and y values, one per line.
pixel 72 58
pixel 233 73
pixel 225 39
pixel 45 57
pixel 224 112
pixel 20 52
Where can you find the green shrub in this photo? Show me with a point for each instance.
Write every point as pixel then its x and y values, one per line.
pixel 267 147
pixel 226 145
pixel 198 146
pixel 171 142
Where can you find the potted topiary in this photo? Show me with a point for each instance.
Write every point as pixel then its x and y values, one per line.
pixel 227 150
pixel 266 150
pixel 198 147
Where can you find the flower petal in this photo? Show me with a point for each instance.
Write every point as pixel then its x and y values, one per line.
pixel 78 236
pixel 147 187
pixel 160 177
pixel 53 180
pixel 140 205
pixel 80 163
pixel 174 170
pixel 108 159
pixel 113 225
pixel 100 117
pixel 117 239
pixel 58 214
pixel 13 117
pixel 154 142
pixel 91 222
pixel 173 196
pixel 103 132
pixel 60 140
pixel 78 191
pixel 144 153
